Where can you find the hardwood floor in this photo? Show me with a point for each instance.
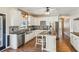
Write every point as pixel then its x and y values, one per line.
pixel 63 45
pixel 29 47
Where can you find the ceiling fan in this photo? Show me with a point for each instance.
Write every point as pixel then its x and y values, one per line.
pixel 48 10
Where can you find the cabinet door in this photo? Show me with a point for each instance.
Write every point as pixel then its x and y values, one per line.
pixel 26 38
pixel 13 41
pixel 51 43
pixel 72 40
pixel 77 43
pixel 29 37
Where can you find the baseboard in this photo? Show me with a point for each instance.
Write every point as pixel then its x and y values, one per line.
pixel 5 48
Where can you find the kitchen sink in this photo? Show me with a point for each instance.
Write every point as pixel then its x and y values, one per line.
pixel 28 32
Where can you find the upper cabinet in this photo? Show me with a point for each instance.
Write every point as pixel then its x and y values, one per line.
pixel 74 24
pixel 30 20
pixel 15 17
pixel 18 18
pixel 49 20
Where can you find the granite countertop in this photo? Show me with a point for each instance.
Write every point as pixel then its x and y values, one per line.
pixel 20 31
pixel 75 33
pixel 44 33
pixel 47 33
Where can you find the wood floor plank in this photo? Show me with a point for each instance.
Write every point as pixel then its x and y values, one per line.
pixel 29 47
pixel 63 45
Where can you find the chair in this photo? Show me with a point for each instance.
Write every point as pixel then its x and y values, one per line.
pixel 38 40
pixel 41 40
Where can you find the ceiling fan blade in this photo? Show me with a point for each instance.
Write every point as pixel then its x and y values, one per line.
pixel 47 9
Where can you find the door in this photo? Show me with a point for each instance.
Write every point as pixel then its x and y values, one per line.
pixel 2 32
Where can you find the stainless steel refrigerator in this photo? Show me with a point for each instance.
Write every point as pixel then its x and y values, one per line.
pixel 57 30
pixel 2 31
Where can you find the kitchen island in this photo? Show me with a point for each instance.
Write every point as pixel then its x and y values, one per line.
pixel 48 41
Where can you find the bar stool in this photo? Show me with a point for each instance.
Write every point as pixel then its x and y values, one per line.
pixel 39 39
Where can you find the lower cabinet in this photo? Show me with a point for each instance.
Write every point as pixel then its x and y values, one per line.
pixel 77 43
pixel 13 41
pixel 26 38
pixel 30 36
pixel 16 40
pixel 74 41
pixel 51 43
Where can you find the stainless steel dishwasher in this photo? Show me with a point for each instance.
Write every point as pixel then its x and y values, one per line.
pixel 20 39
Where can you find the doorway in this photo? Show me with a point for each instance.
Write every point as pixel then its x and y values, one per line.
pixel 2 31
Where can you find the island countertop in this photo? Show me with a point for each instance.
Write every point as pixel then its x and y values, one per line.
pixel 47 33
pixel 75 33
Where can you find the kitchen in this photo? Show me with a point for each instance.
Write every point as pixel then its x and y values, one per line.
pixel 23 27
pixel 29 27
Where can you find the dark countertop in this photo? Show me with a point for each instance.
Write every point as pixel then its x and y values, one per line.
pixel 75 33
pixel 44 33
pixel 47 33
pixel 22 31
pixel 27 31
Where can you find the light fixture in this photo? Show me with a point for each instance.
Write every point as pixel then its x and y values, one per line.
pixel 26 15
pixel 47 11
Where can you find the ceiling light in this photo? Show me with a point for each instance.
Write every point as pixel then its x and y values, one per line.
pixel 47 13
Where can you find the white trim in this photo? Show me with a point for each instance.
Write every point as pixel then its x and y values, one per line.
pixel 5 49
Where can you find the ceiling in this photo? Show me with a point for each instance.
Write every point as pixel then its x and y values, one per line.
pixel 52 10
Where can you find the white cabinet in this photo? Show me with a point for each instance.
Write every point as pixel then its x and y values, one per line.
pixel 51 43
pixel 74 41
pixel 26 38
pixel 48 42
pixel 30 36
pixel 13 41
pixel 16 40
pixel 15 17
pixel 30 20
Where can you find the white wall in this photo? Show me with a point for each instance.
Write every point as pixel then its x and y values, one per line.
pixel 6 12
pixel 50 19
pixel 67 27
pixel 72 24
pixel 12 18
